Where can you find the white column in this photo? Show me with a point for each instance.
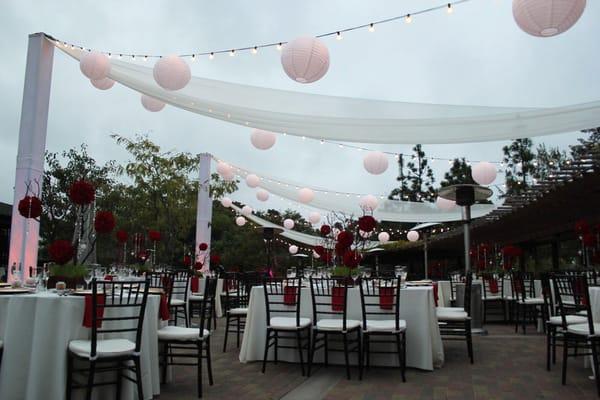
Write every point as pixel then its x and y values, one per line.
pixel 24 233
pixel 204 210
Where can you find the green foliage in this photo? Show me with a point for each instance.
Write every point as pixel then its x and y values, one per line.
pixel 592 142
pixel 415 181
pixel 547 161
pixel 459 173
pixel 68 270
pixel 518 160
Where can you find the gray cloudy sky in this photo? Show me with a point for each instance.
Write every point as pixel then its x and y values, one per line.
pixel 477 55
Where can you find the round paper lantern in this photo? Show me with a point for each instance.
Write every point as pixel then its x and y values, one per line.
pixel 483 173
pixel 252 180
pixel 375 162
pixel 314 218
pixel 293 249
pixel 226 202
pixel 305 59
pixel 102 84
pixel 172 73
pixel 306 195
pixel 363 234
pixel 247 211
pixel 224 168
pixel 383 237
pixel 547 17
pixel 94 65
pixel 412 236
pixel 229 176
pixel 288 223
pixel 262 195
pixel 368 203
pixel 240 221
pixel 262 140
pixel 316 255
pixel 444 204
pixel 152 104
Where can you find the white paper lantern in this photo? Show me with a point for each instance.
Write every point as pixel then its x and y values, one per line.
pixel 306 195
pixel 102 84
pixel 226 202
pixel 363 234
pixel 263 140
pixel 229 176
pixel 151 104
pixel 314 218
pixel 305 59
pixel 368 203
pixel 247 211
pixel 383 237
pixel 240 221
pixel 262 195
pixel 547 17
pixel 412 236
pixel 316 255
pixel 172 73
pixel 252 180
pixel 94 65
pixel 335 232
pixel 224 168
pixel 445 204
pixel 288 223
pixel 483 173
pixel 293 249
pixel 375 162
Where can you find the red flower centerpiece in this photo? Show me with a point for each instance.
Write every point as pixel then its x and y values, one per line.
pixel 325 230
pixel 122 236
pixel 30 207
pixel 82 193
pixel 61 251
pixel 203 246
pixel 367 223
pixel 104 222
pixel 154 235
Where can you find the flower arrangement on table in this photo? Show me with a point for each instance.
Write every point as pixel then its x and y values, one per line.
pixel 590 242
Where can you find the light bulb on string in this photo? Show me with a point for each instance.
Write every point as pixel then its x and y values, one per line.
pixel 339 36
pixel 279 46
pixel 449 10
pixel 408 19
pixel 254 50
pixel 371 28
pixel 211 56
pixel 232 53
pixel 193 57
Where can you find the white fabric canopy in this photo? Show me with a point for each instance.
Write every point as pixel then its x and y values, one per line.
pixel 388 210
pixel 352 119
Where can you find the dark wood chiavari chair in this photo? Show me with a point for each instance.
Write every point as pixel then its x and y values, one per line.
pixel 492 294
pixel 236 295
pixel 528 307
pixel 178 342
pixel 106 355
pixel 178 299
pixel 380 304
pixel 195 306
pixel 455 278
pixel 456 324
pixel 330 318
pixel 282 299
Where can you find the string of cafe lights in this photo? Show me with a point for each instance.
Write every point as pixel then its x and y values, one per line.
pixel 370 27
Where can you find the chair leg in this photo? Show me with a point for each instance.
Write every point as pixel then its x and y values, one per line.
pixel 516 318
pixel 311 354
pixel 564 363
pixel 404 357
pixel 469 340
pixel 90 383
pixel 199 371
pixel 368 349
pixel 227 321
pixel 69 376
pixel 276 352
pixel 165 362
pixel 266 353
pixel 595 361
pixel 119 379
pixel 524 320
pixel 214 312
pixel 345 335
pixel 299 339
pixel 360 355
pixel 484 311
pixel 554 347
pixel 326 343
pixel 209 362
pixel 138 378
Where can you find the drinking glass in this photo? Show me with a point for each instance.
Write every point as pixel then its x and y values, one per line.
pixel 291 273
pixel 88 278
pixel 354 274
pixel 366 273
pixel 307 273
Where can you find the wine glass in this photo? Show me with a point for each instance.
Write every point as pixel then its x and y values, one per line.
pixel 88 278
pixel 367 273
pixel 354 274
pixel 291 273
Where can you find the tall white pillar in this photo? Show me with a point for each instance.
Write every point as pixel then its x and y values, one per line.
pixel 204 210
pixel 24 233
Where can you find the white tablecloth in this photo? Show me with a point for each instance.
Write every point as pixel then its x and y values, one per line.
pixel 218 294
pixel 417 307
pixel 445 295
pixel 36 330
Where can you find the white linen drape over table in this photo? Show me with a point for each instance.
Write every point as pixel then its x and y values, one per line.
pixel 417 307
pixel 36 330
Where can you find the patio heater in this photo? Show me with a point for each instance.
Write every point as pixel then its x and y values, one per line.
pixel 465 196
pixel 268 236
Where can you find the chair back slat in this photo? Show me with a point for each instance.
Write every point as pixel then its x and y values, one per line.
pixel 283 296
pixel 380 297
pixel 571 291
pixel 329 298
pixel 208 301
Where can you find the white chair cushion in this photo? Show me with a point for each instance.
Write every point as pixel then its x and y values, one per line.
pixel 238 311
pixel 195 297
pixel 104 348
pixel 532 301
pixel 336 324
pixel 452 316
pixel 490 297
pixel 582 312
pixel 450 309
pixel 176 302
pixel 180 333
pixel 571 319
pixel 583 329
pixel 288 323
pixel 385 325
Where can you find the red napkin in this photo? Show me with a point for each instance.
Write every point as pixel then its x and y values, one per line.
pixel 337 298
pixel 289 295
pixel 493 285
pixel 435 293
pixel 195 284
pixel 87 313
pixel 163 310
pixel 108 277
pixel 578 290
pixel 386 298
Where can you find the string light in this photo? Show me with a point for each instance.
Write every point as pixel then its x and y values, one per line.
pixel 279 46
pixel 232 53
pixel 211 56
pixel 255 50
pixel 371 28
pixel 408 18
pixel 339 36
pixel 450 9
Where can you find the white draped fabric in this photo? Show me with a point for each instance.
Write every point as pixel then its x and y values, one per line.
pixel 353 119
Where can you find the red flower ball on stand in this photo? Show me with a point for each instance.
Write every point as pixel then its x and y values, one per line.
pixel 82 193
pixel 104 222
pixel 61 251
pixel 325 230
pixel 367 223
pixel 154 235
pixel 215 259
pixel 30 207
pixel 122 236
pixel 582 227
pixel 203 247
pixel 352 258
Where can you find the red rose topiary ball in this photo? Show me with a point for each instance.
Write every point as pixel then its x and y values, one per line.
pixel 82 192
pixel 61 251
pixel 104 222
pixel 30 207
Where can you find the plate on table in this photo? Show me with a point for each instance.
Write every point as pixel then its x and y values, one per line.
pixel 4 284
pixel 81 292
pixel 418 283
pixel 10 290
pixel 153 290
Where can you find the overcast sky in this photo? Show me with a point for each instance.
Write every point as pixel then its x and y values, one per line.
pixel 477 56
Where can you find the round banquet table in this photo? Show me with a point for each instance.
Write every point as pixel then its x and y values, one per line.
pixel 424 348
pixel 36 330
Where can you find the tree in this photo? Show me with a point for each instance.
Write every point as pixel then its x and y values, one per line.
pixel 519 167
pixel 547 161
pixel 417 183
pixel 459 173
pixel 592 142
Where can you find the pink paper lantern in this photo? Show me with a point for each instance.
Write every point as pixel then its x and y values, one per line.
pixel 102 84
pixel 306 195
pixel 375 162
pixel 263 140
pixel 247 211
pixel 223 168
pixel 305 59
pixel 545 18
pixel 316 255
pixel 383 237
pixel 412 236
pixel 229 176
pixel 262 195
pixel 172 73
pixel 252 180
pixel 288 223
pixel 368 203
pixel 483 173
pixel 94 65
pixel 293 249
pixel 151 104
pixel 226 202
pixel 314 218
pixel 444 204
pixel 240 221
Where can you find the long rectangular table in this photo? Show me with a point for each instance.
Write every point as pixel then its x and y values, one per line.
pixel 417 307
